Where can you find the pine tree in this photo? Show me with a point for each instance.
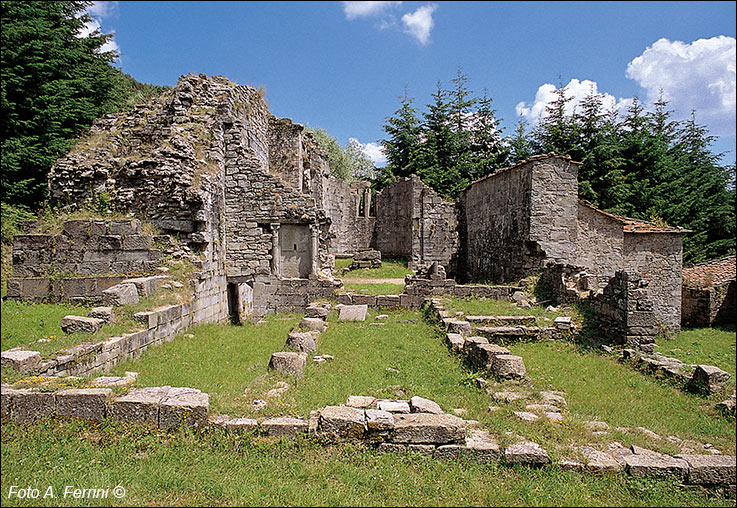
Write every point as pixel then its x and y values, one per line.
pixel 401 148
pixel 489 151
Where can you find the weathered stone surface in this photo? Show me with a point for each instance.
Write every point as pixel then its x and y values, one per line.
pixel 104 313
pixel 508 367
pixel 316 312
pixel 650 463
pixel 470 343
pixel 422 405
pixel 455 341
pixel 283 426
pixel 458 326
pixel 525 416
pixel 598 461
pixel 6 399
pixel 428 428
pixel 526 452
pixel 506 396
pixel 74 324
pixel 105 381
pixel 87 403
pixel 353 313
pixel 146 286
pixel 316 324
pixel 563 323
pixel 140 405
pixel 542 408
pixel 288 362
pixel 360 401
pixel 481 446
pixel 555 398
pixel 401 449
pixel 570 465
pixel 242 424
pixel 482 355
pixel 393 406
pixel 120 294
pixel 342 423
pixel 378 420
pixel 22 361
pixel 184 407
pixel 595 426
pixel 301 342
pixel 711 469
pixel 708 378
pixel 30 405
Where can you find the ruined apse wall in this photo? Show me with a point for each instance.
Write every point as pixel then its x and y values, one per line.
pixel 600 242
pixel 351 230
pixel 520 217
pixel 414 222
pixel 659 258
pixel 162 162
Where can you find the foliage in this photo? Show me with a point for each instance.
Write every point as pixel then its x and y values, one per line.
pixel 54 84
pixel 347 163
pixel 457 141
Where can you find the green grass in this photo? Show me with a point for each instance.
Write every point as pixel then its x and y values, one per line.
pixel 382 288
pixel 390 269
pixel 23 324
pixel 216 469
pixel 710 346
pixel 490 307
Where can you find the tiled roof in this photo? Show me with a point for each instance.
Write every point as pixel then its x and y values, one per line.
pixel 710 273
pixel 631 225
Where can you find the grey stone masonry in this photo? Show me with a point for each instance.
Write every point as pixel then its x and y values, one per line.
pixel 74 324
pixel 288 362
pixel 104 313
pixel 353 313
pixel 711 469
pixel 342 423
pixel 526 452
pixel 186 407
pixel 420 428
pixel 22 361
pixel 140 405
pixel 301 342
pixel 86 403
pixel 120 294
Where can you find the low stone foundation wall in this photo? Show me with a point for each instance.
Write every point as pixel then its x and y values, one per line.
pixel 62 289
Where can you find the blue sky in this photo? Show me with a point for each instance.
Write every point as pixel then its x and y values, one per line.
pixel 342 65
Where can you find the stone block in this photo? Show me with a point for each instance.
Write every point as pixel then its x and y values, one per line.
pixel 597 461
pixel 111 242
pixel 283 426
pixel 388 301
pixel 316 312
pixel 708 378
pixel 508 367
pixel 428 428
pixel 104 313
pixel 393 406
pixel 458 326
pixel 315 324
pixel 455 341
pixel 345 299
pixel 75 324
pixel 353 313
pixel 146 286
pixel 481 446
pixel 30 405
pixel 411 301
pixel 341 423
pixel 379 421
pixel 120 294
pixel 368 300
pixel 140 405
pixel 22 361
pixel 183 407
pixel 288 362
pixel 86 403
pixel 6 399
pixel 710 469
pixel 125 227
pixel 655 464
pixel 482 355
pixel 422 405
pixel 360 401
pixel 301 342
pixel 402 449
pixel 242 424
pixel 149 319
pixel 526 452
pixel 137 242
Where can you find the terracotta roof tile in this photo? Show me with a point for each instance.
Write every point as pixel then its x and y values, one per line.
pixel 631 225
pixel 711 273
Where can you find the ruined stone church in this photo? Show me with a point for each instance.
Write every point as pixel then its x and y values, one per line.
pixel 252 196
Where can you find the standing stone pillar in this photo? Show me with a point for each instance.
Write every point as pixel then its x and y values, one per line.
pixel 315 251
pixel 366 202
pixel 275 250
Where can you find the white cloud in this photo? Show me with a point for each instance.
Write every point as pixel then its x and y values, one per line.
pixel 697 76
pixel 97 11
pixel 374 151
pixel 355 10
pixel 420 23
pixel 576 89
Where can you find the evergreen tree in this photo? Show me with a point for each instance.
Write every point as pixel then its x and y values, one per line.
pixel 403 129
pixel 521 144
pixel 54 84
pixel 489 151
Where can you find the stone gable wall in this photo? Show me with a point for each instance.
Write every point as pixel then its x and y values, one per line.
pixel 394 220
pixel 599 243
pixel 349 231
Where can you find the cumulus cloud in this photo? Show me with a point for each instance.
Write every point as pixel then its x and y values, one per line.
pixel 97 11
pixel 697 76
pixel 577 90
pixel 374 151
pixel 355 10
pixel 419 24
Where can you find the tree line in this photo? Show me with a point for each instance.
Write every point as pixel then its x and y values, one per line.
pixel 641 164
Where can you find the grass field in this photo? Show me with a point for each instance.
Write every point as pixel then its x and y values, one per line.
pixel 390 269
pixel 710 346
pixel 220 469
pixel 489 307
pixel 381 288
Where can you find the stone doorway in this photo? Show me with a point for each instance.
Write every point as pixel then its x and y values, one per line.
pixel 295 247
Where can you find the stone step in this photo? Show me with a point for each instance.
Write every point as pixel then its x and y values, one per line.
pixel 501 319
pixel 510 332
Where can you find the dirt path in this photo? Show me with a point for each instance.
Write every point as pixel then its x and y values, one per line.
pixel 373 281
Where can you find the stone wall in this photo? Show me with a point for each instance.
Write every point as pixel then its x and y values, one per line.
pixel 600 242
pixel 413 222
pixel 350 231
pixel 658 257
pixel 710 306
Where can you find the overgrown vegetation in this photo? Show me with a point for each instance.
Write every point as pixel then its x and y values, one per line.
pixel 708 346
pixel 390 269
pixel 54 83
pixel 347 163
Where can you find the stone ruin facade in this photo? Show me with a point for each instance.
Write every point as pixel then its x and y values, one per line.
pixel 710 293
pixel 252 197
